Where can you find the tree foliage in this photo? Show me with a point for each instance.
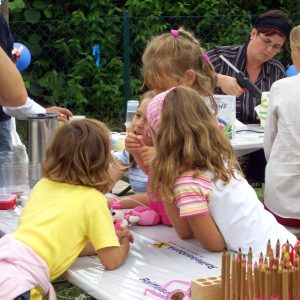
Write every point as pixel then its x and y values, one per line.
pixel 61 34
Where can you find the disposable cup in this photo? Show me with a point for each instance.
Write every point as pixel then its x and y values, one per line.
pixel 20 178
pixel 128 126
pixel 263 109
pixel 5 157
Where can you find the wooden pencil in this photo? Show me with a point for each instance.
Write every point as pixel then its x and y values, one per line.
pixel 223 268
pixel 267 285
pixel 279 283
pixel 256 281
pixel 227 275
pixel 262 280
pixel 237 277
pixel 274 280
pixel 243 281
pixel 260 260
pixel 250 281
pixel 268 251
pixel 232 283
pixel 285 284
pixel 250 256
pixel 278 249
pixel 290 275
pixel 295 284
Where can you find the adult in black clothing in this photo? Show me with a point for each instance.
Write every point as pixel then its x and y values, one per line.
pixel 256 60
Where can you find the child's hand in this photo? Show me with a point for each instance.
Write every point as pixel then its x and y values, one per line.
pixel 111 200
pixel 132 143
pixel 146 154
pixel 124 233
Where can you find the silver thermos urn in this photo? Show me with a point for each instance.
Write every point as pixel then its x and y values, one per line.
pixel 40 130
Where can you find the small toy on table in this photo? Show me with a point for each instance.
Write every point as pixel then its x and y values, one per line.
pixel 139 215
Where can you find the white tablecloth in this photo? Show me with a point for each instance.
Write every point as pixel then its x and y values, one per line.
pixel 156 257
pixel 248 140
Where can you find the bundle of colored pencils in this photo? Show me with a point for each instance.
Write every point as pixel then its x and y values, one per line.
pixel 270 278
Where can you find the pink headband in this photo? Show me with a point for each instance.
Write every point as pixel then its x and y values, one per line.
pixel 154 109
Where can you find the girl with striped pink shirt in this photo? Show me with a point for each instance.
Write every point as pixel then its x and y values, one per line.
pixel 196 174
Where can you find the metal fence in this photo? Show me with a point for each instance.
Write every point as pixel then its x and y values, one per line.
pixel 63 70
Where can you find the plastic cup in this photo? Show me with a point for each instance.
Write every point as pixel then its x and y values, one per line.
pixel 128 126
pixel 132 106
pixel 19 178
pixel 263 108
pixel 5 157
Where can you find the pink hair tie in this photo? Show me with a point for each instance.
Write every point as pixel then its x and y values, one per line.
pixel 175 33
pixel 205 58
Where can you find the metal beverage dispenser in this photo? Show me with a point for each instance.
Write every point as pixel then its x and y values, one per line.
pixel 40 130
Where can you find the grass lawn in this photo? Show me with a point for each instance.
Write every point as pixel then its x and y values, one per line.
pixel 66 291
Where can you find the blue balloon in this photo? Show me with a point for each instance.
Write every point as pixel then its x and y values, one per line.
pixel 24 60
pixel 291 71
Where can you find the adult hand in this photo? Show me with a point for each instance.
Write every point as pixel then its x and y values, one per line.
pixel 146 154
pixel 229 85
pixel 63 113
pixel 132 143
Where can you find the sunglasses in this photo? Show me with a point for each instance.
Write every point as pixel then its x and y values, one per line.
pixel 177 294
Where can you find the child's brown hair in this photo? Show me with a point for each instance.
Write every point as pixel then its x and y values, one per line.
pixel 80 154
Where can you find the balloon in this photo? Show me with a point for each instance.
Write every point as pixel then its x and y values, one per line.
pixel 25 57
pixel 291 71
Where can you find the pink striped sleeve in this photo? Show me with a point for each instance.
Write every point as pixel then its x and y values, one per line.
pixel 192 194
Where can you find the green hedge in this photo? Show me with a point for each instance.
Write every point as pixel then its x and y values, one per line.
pixel 61 35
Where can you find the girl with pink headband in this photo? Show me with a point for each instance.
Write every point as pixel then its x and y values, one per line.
pixel 199 180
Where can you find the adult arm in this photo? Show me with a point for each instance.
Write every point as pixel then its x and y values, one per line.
pixel 32 107
pixel 21 112
pixel 228 84
pixel 271 128
pixel 13 91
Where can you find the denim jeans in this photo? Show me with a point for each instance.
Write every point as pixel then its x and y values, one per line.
pixel 5 136
pixel 5 145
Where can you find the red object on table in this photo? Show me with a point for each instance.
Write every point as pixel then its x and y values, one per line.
pixel 8 201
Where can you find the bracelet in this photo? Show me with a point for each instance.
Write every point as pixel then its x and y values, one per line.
pixel 116 204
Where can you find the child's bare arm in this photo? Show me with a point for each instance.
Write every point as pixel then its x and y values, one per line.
pixel 202 227
pixel 206 232
pixel 113 257
pixel 181 225
pixel 129 201
pixel 88 250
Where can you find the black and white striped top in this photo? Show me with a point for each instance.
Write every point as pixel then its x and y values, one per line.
pixel 272 70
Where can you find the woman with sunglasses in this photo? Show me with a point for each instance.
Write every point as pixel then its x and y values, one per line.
pixel 256 60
